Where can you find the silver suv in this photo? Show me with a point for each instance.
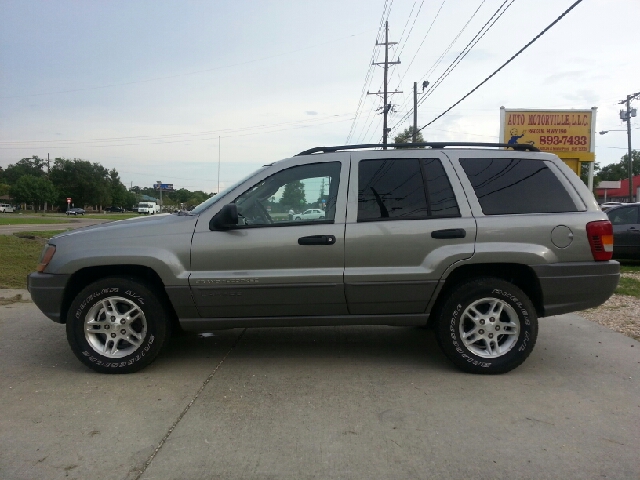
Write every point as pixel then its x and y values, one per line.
pixel 477 241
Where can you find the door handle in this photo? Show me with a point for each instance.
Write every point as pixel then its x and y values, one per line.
pixel 633 230
pixel 449 233
pixel 317 240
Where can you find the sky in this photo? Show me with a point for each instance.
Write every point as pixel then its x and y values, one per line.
pixel 164 90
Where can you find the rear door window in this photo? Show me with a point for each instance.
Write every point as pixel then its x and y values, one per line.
pixel 516 185
pixel 403 189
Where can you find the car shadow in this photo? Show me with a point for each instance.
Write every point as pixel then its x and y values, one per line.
pixel 314 346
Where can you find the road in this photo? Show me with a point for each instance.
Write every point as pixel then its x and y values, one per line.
pixel 75 223
pixel 334 402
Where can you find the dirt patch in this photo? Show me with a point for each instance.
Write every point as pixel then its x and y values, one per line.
pixel 15 299
pixel 620 313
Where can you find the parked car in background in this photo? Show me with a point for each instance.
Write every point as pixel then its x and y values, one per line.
pixel 311 214
pixel 75 211
pixel 115 209
pixel 607 205
pixel 6 208
pixel 626 230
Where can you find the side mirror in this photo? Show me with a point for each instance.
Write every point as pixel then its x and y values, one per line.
pixel 225 219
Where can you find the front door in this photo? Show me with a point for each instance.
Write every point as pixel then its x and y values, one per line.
pixel 277 263
pixel 406 224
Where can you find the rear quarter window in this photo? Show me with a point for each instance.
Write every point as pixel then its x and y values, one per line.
pixel 516 185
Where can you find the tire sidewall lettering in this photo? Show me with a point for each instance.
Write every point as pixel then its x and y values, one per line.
pixel 455 317
pixel 90 355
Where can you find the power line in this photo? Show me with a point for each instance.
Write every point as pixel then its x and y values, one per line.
pixel 446 51
pixel 481 33
pixel 423 39
pixel 505 63
pixel 368 77
pixel 463 53
pixel 412 25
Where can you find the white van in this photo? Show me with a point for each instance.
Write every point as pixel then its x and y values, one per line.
pixel 148 208
pixel 6 208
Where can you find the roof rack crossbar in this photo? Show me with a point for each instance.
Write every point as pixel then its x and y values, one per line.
pixel 520 147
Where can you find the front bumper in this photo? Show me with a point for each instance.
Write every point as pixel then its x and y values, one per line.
pixel 568 287
pixel 47 292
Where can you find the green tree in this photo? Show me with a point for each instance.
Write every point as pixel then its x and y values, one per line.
pixel 84 182
pixel 293 195
pixel 406 136
pixel 33 166
pixel 619 170
pixel 33 190
pixel 117 189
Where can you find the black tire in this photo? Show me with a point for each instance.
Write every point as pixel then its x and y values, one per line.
pixel 152 325
pixel 473 354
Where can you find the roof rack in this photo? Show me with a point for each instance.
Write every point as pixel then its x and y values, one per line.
pixel 521 147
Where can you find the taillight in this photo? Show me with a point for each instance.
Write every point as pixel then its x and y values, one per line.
pixel 600 235
pixel 45 257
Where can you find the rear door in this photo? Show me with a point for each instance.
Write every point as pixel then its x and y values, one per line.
pixel 406 224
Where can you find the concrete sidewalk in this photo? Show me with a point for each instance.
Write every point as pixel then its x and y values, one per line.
pixel 330 402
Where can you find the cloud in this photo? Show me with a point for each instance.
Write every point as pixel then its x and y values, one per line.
pixel 565 76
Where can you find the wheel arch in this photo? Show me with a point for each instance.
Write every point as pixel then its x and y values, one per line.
pixel 522 276
pixel 87 275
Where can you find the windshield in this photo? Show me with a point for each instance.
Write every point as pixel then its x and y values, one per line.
pixel 145 205
pixel 210 201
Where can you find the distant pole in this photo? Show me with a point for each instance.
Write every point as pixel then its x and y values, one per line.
pixel 629 147
pixel 415 111
pixel 218 191
pixel 48 171
pixel 626 116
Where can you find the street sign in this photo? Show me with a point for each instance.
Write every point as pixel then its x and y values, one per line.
pixel 166 187
pixel 68 200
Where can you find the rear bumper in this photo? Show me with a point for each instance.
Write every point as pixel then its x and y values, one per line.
pixel 568 287
pixel 47 292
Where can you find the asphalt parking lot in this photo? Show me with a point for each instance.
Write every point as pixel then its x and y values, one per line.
pixel 334 402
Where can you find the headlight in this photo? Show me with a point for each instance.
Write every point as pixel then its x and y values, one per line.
pixel 45 257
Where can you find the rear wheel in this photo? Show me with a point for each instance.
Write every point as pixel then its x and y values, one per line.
pixel 487 325
pixel 117 325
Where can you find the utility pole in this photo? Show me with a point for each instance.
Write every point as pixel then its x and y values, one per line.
pixel 626 116
pixel 415 111
pixel 48 171
pixel 386 106
pixel 425 84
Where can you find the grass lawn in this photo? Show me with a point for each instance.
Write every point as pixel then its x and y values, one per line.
pixel 18 257
pixel 39 233
pixel 30 220
pixel 628 286
pixel 629 266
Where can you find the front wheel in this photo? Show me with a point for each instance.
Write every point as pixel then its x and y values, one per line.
pixel 487 325
pixel 117 325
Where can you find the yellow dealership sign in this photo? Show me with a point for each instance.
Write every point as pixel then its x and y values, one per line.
pixel 566 133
